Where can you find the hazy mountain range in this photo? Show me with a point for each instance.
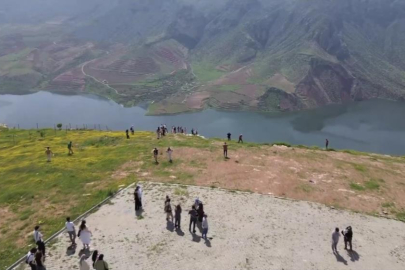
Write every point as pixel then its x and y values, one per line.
pixel 264 55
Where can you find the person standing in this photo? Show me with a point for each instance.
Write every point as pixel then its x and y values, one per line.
pixel 326 144
pixel 83 265
pixel 39 241
pixel 94 257
pixel 335 240
pixel 70 146
pixel 193 218
pixel 347 237
pixel 127 133
pixel 204 227
pixel 39 260
pixel 137 199
pixel 177 216
pixel 158 133
pixel 140 194
pixel 169 154
pixel 168 209
pixel 48 153
pixel 30 259
pixel 71 230
pixel 229 136
pixel 240 138
pixel 200 212
pixel 225 146
pixel 155 154
pixel 85 235
pixel 132 130
pixel 100 263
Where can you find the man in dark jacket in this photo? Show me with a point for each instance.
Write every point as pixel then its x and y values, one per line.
pixel 348 236
pixel 193 218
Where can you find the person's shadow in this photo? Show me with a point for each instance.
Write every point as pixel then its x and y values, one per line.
pixel 179 232
pixel 170 226
pixel 85 252
pixel 208 242
pixel 71 250
pixel 354 256
pixel 196 238
pixel 199 226
pixel 340 258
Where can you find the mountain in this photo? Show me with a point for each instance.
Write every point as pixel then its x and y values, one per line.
pixel 262 55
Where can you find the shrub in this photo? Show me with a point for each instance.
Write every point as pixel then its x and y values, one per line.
pixel 59 126
pixel 282 144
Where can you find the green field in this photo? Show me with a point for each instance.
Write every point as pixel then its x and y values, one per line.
pixel 36 192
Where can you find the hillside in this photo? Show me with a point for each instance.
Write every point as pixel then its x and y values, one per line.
pixel 185 55
pixel 37 192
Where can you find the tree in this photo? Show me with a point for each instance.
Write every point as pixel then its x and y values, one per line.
pixel 59 126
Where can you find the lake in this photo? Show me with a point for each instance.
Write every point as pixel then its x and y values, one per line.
pixel 370 126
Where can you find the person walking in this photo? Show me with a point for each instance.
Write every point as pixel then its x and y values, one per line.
pixel 335 240
pixel 177 216
pixel 158 133
pixel 326 144
pixel 71 230
pixel 83 265
pixel 168 209
pixel 229 136
pixel 38 238
pixel 101 264
pixel 30 259
pixel 70 148
pixel 240 138
pixel 225 146
pixel 137 199
pixel 348 236
pixel 204 227
pixel 48 153
pixel 127 133
pixel 85 235
pixel 155 154
pixel 94 257
pixel 193 218
pixel 39 260
pixel 140 195
pixel 169 154
pixel 132 130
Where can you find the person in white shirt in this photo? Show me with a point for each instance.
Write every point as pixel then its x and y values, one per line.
pixel 30 260
pixel 39 241
pixel 169 154
pixel 335 240
pixel 205 227
pixel 71 230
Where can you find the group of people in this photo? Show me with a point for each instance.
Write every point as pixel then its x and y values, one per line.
pixel 197 215
pixel 347 237
pixel 229 135
pixel 36 256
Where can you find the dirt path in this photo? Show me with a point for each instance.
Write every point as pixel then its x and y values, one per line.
pixel 247 231
pixel 87 75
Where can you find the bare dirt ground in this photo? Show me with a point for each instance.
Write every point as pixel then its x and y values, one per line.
pixel 366 183
pixel 246 231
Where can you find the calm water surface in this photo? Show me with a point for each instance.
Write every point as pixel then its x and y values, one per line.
pixel 371 126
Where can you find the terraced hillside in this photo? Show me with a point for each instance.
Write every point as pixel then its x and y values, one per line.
pixel 272 55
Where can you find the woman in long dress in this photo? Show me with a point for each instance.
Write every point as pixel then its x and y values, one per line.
pixel 83 263
pixel 85 235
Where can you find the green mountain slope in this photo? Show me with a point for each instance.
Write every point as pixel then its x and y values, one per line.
pixel 245 54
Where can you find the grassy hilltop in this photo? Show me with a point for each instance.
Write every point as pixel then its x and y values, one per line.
pixel 36 192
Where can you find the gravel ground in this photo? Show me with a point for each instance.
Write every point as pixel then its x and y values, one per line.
pixel 246 231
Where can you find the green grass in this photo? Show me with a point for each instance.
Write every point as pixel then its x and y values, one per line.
pixel 359 167
pixel 357 187
pixel 228 87
pixel 372 184
pixel 388 204
pixel 206 73
pixel 181 192
pixel 401 216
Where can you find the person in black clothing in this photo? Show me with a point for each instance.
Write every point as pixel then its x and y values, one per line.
pixel 229 136
pixel 200 212
pixel 137 199
pixel 193 218
pixel 326 144
pixel 348 236
pixel 94 257
pixel 240 138
pixel 155 154
pixel 127 133
pixel 132 130
pixel 177 216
